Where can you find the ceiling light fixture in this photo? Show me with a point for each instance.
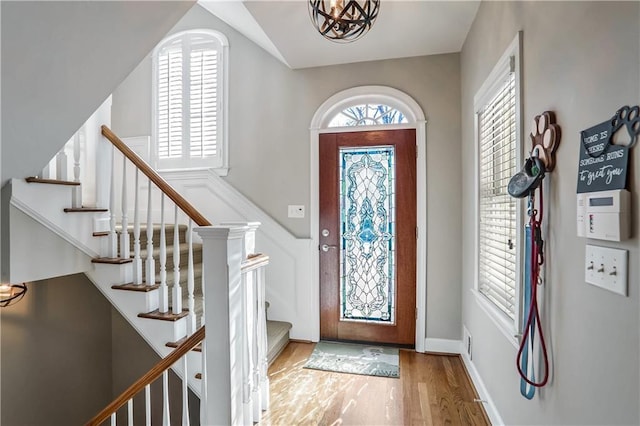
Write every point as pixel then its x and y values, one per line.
pixel 343 21
pixel 11 293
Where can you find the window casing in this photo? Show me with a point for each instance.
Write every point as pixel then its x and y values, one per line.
pixel 499 224
pixel 190 101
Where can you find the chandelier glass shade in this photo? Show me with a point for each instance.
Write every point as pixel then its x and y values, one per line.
pixel 343 21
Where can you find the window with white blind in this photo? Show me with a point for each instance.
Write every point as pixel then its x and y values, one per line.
pixel 497 107
pixel 190 101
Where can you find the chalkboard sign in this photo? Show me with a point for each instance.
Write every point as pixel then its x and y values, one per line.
pixel 603 165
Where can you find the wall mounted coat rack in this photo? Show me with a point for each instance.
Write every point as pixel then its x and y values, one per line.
pixel 545 138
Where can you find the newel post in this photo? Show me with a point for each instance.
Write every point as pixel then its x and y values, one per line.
pixel 222 257
pixel 249 240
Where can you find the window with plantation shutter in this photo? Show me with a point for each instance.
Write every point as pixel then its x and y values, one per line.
pixel 190 101
pixel 498 148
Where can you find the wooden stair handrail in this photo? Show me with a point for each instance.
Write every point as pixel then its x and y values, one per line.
pixel 254 261
pixel 149 377
pixel 164 186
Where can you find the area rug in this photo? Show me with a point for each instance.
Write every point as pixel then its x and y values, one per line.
pixel 369 360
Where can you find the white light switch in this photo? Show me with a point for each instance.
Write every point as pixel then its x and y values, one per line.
pixel 607 268
pixel 296 212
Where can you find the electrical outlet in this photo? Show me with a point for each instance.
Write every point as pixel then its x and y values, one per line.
pixel 466 341
pixel 606 268
pixel 295 211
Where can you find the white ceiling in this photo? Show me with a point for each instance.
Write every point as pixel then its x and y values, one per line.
pixel 403 29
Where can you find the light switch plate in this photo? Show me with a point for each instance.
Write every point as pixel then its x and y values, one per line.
pixel 295 211
pixel 606 268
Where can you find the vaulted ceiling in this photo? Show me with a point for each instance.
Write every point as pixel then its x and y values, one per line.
pixel 403 29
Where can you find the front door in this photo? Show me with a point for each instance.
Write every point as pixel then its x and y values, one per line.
pixel 368 236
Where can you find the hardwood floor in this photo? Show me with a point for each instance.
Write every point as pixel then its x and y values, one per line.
pixel 432 390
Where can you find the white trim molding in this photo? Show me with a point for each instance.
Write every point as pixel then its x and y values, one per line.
pixel 510 61
pixel 443 346
pixel 483 393
pixel 416 120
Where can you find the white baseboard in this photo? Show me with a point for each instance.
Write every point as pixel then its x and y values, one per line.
pixel 483 393
pixel 445 346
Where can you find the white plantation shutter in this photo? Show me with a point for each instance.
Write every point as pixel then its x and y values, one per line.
pixel 170 101
pixel 203 95
pixel 190 99
pixel 498 232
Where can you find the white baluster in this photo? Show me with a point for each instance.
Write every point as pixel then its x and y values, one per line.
pixel 137 260
pixel 263 345
pixel 76 197
pixel 191 305
pixel 124 235
pixel 147 405
pixel 113 237
pixel 255 353
pixel 150 262
pixel 46 172
pixel 202 286
pixel 113 419
pixel 130 412
pixel 164 290
pixel 247 378
pixel 203 386
pixel 166 419
pixel 177 290
pixel 185 392
pixel 61 165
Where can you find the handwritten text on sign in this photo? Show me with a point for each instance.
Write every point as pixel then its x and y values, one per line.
pixel 602 166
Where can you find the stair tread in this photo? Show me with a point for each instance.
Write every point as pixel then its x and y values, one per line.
pixel 101 234
pixel 84 209
pixel 197 348
pixel 135 287
pixel 34 179
pixel 111 260
pixel 276 329
pixel 164 316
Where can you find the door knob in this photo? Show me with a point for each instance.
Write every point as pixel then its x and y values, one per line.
pixel 326 247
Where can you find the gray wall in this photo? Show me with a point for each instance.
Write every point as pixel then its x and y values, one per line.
pixel 60 61
pixel 56 354
pixel 66 353
pixel 271 108
pixel 581 60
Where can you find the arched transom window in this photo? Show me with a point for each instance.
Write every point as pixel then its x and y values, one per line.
pixel 368 114
pixel 190 100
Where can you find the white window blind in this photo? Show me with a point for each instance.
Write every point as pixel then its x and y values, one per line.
pixel 189 126
pixel 497 210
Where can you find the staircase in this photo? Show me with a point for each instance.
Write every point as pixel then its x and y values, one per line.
pixel 277 331
pixel 163 310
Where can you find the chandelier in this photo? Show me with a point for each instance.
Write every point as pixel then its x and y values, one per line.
pixel 343 21
pixel 11 293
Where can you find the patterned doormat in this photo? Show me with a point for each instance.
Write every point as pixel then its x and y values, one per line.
pixel 368 360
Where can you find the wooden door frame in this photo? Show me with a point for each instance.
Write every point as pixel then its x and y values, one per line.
pixel 417 121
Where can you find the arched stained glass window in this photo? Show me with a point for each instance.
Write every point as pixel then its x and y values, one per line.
pixel 369 114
